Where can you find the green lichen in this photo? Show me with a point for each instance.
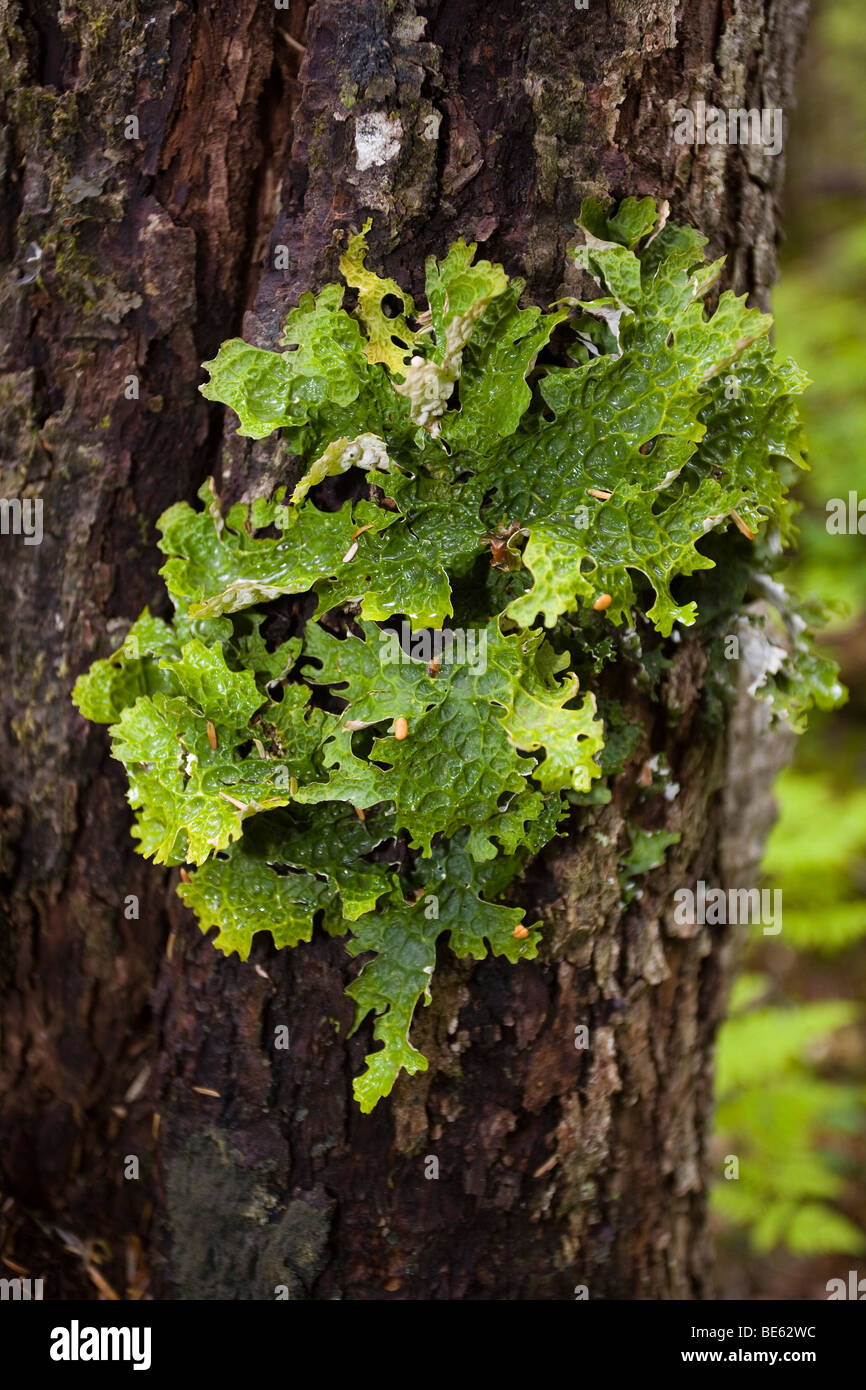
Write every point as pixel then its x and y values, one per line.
pixel 546 521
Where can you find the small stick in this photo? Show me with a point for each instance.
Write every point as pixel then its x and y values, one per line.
pixel 741 526
pixel 293 43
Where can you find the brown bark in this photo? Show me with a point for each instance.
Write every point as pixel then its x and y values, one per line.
pixel 557 1166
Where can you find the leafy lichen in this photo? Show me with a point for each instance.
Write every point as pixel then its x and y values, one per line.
pixel 528 516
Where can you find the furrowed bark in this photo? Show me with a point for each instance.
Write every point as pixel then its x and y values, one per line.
pixel 557 1166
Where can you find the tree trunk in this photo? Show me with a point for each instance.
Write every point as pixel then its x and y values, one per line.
pixel 129 253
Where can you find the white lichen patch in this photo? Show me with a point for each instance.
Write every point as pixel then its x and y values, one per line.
pixel 762 657
pixel 430 128
pixel 410 28
pixel 377 139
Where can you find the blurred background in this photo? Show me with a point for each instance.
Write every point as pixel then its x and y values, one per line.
pixel 791 1081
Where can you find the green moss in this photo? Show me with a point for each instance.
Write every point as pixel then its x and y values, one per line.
pixel 348 91
pixel 319 155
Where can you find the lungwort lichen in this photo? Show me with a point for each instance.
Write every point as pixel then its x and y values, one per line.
pixel 543 481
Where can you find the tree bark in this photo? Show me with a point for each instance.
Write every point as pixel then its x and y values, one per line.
pixel 133 257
